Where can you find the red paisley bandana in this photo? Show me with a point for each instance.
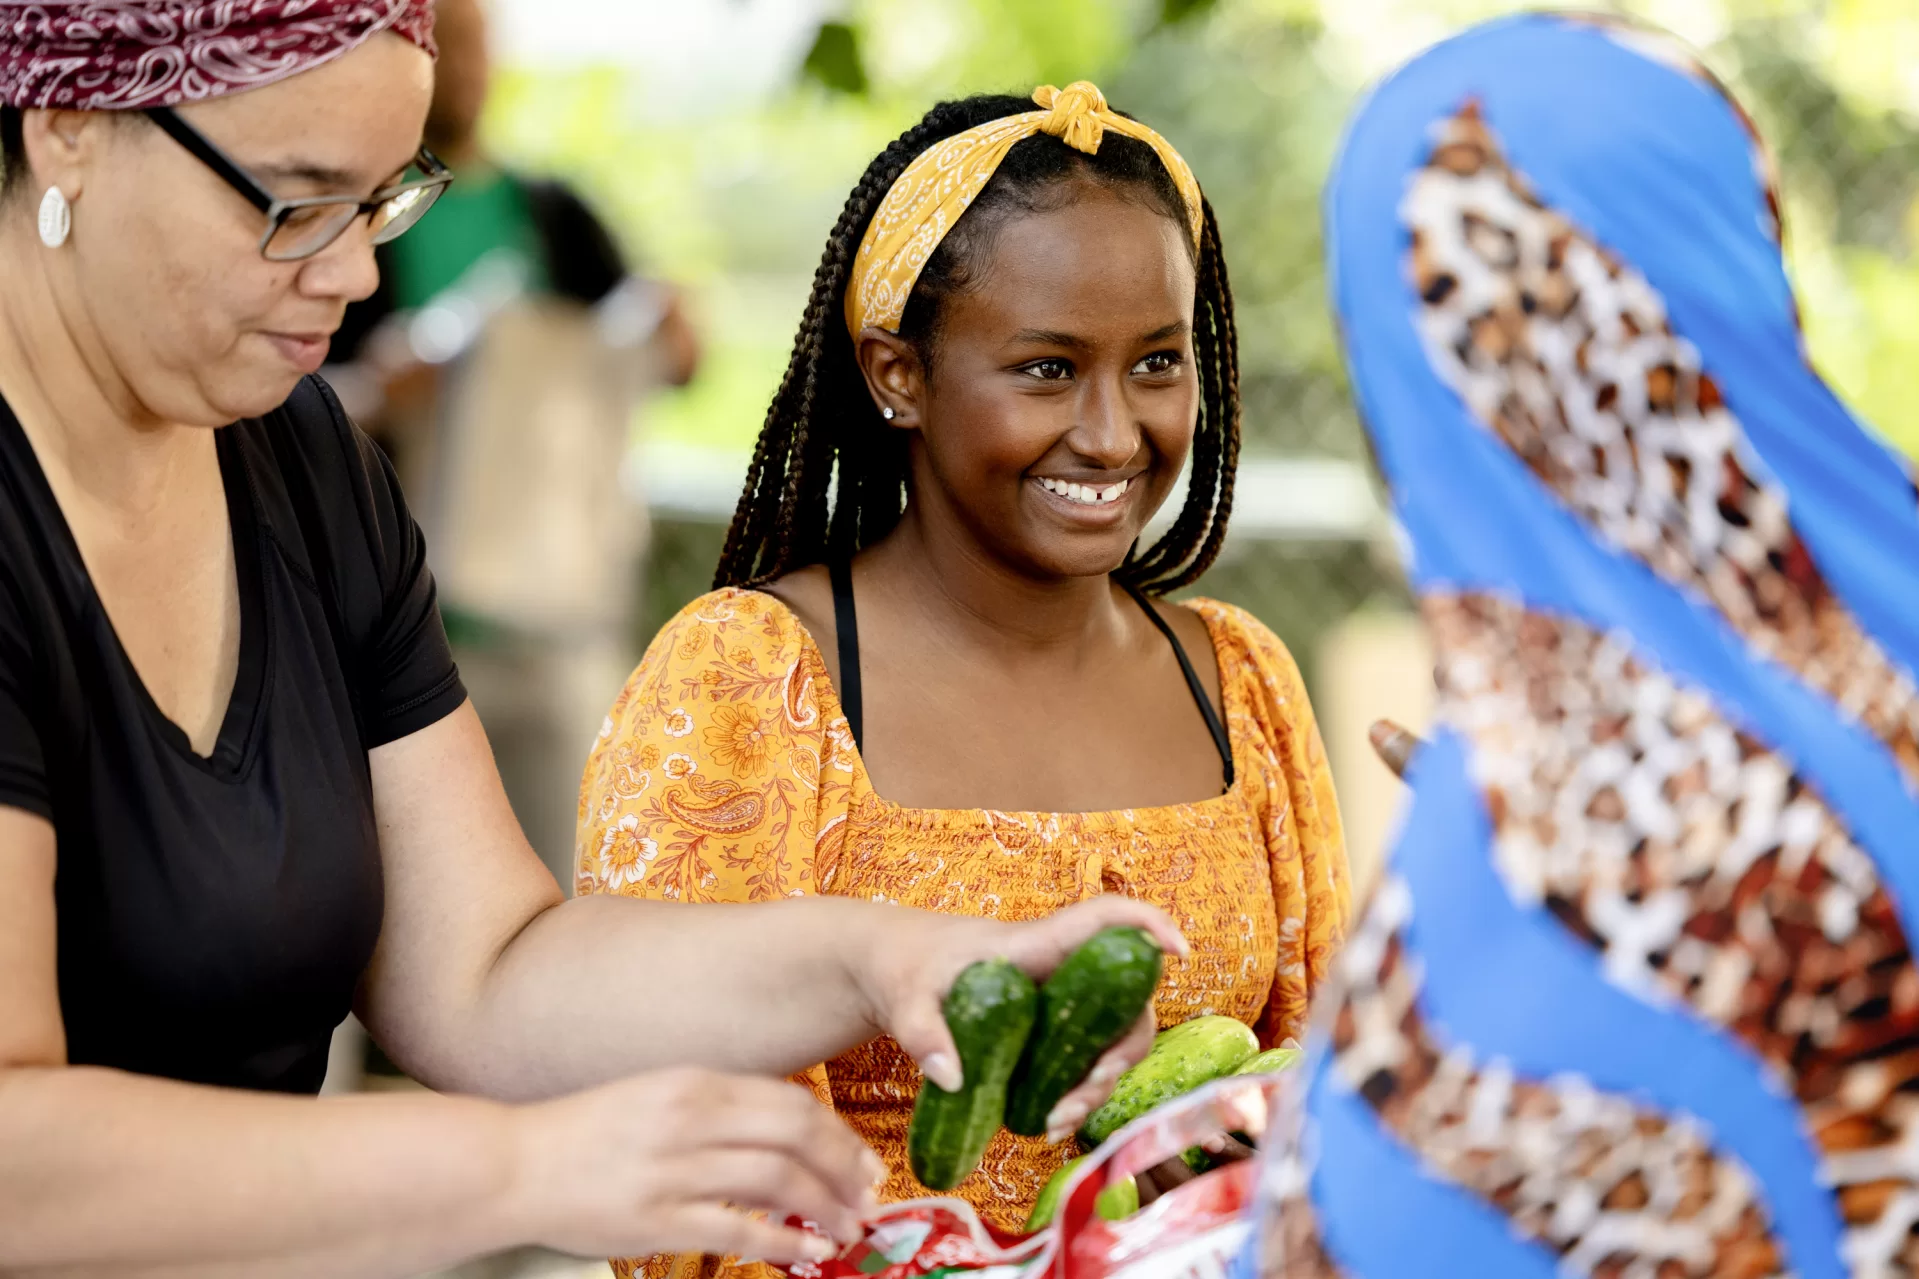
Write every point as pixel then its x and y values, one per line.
pixel 122 55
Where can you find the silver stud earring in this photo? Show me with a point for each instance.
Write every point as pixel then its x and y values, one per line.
pixel 56 218
pixel 887 413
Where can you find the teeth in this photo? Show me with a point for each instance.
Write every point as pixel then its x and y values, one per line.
pixel 1085 494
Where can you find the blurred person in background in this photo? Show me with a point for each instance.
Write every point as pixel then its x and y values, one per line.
pixel 241 789
pixel 1020 331
pixel 1637 993
pixel 498 363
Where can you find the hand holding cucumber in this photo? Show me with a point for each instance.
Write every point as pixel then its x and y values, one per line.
pixel 925 954
pixel 1024 1049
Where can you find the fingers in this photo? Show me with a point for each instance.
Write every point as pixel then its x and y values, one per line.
pixel 1042 946
pixel 771 1180
pixel 1162 1178
pixel 1227 1148
pixel 1083 1100
pixel 1393 744
pixel 1111 910
pixel 722 1231
pixel 772 1116
pixel 920 1028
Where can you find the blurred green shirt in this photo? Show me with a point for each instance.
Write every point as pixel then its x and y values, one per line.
pixel 472 219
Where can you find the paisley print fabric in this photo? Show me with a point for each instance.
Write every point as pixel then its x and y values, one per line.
pixel 1637 996
pixel 726 773
pixel 127 55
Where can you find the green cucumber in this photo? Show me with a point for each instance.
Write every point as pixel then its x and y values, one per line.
pixel 1084 1007
pixel 990 1012
pixel 1118 1201
pixel 1115 1202
pixel 1182 1058
pixel 1270 1062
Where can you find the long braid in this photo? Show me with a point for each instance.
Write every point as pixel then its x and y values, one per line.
pixel 823 435
pixel 1192 544
pixel 792 462
pixel 1222 409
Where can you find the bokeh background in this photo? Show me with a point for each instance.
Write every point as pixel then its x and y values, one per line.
pixel 718 138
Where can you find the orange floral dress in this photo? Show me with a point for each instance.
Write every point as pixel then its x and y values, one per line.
pixel 726 773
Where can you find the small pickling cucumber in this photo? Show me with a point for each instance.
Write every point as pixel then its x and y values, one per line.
pixel 1115 1202
pixel 1270 1062
pixel 1182 1058
pixel 990 1012
pixel 1085 1006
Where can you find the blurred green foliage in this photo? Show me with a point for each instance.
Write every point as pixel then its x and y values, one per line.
pixel 735 195
pixel 834 60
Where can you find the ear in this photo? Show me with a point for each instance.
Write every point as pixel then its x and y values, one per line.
pixel 894 375
pixel 62 145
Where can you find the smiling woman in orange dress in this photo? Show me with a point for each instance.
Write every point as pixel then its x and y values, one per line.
pixel 958 685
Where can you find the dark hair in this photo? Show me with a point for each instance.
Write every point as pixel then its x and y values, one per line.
pixel 822 419
pixel 13 149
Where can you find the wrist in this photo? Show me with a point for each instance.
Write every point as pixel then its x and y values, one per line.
pixel 869 954
pixel 515 1212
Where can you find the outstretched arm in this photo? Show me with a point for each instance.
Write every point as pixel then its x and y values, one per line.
pixel 486 981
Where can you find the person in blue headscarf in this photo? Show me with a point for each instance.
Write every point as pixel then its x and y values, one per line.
pixel 1635 995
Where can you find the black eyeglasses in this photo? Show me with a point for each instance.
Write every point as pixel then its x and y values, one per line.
pixel 299 229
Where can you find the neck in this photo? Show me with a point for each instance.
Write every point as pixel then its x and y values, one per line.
pixel 87 427
pixel 965 591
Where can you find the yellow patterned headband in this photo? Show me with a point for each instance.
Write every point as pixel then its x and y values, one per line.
pixel 935 189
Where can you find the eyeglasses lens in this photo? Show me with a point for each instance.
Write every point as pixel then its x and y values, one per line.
pixel 308 229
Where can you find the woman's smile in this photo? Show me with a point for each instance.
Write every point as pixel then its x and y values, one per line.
pixel 1093 505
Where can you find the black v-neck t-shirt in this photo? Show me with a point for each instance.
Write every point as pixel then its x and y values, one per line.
pixel 215 914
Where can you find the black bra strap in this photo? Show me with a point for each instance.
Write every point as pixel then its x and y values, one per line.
pixel 846 624
pixel 1221 741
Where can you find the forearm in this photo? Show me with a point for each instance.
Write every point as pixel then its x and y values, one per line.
pixel 102 1169
pixel 605 986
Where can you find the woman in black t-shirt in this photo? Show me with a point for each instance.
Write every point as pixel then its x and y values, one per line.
pixel 240 788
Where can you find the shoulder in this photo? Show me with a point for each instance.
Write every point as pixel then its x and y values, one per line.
pixel 726 691
pixel 729 622
pixel 729 645
pixel 338 486
pixel 313 426
pixel 1247 649
pixel 317 451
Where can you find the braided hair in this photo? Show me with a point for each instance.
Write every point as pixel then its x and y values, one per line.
pixel 824 432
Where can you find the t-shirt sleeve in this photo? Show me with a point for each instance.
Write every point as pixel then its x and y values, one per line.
pixel 407 676
pixel 23 773
pixel 399 660
pixel 1305 842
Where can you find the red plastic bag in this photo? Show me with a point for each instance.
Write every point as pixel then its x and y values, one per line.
pixel 1192 1232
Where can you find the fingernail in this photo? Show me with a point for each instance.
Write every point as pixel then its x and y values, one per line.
pixel 816 1249
pixel 1106 1072
pixel 1066 1116
pixel 875 1168
pixel 1056 1135
pixel 943 1070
